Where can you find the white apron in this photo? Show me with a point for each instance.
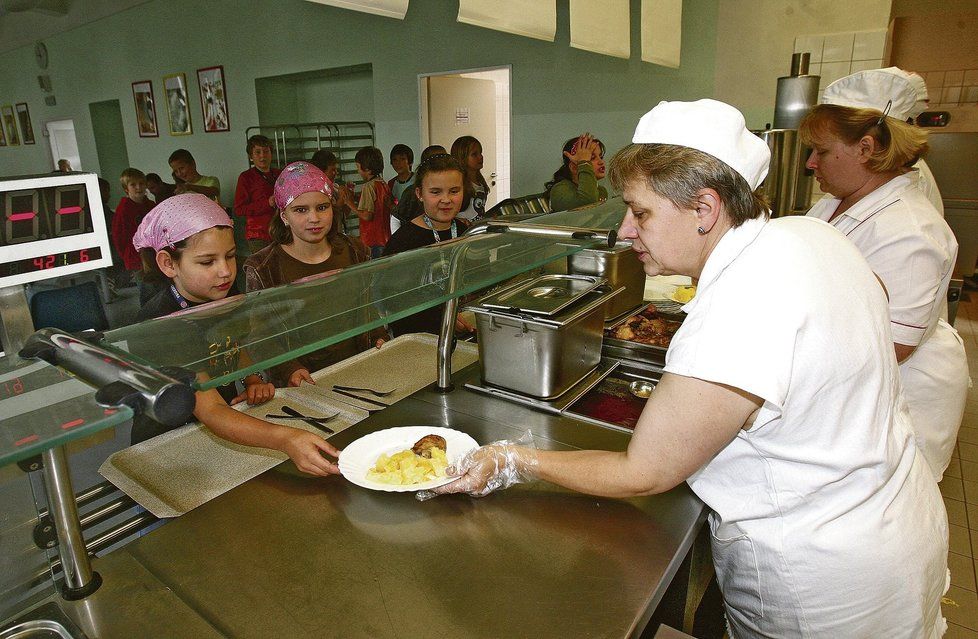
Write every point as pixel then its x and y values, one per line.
pixel 912 250
pixel 826 523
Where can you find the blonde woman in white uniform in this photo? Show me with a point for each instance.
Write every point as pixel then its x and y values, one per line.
pixel 908 97
pixel 859 159
pixel 783 415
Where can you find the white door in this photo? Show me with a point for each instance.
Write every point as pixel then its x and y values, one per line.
pixel 61 135
pixel 472 103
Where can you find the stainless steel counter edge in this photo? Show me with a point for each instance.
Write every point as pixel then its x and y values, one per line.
pixel 289 555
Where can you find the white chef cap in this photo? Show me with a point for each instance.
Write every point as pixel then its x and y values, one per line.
pixel 873 88
pixel 709 126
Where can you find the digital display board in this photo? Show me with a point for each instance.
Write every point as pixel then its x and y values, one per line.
pixel 51 225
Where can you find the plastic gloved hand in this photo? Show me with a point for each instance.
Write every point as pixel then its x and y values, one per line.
pixel 492 467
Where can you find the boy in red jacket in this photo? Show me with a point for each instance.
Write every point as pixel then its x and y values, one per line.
pixel 128 214
pixel 253 196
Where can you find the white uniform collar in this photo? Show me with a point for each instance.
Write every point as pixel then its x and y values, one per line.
pixel 730 246
pixel 873 201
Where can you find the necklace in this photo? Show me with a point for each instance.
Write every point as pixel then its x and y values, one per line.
pixel 427 222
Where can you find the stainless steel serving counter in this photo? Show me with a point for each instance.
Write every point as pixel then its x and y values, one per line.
pixel 285 555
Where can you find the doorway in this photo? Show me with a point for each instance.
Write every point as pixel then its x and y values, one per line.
pixel 474 102
pixel 64 145
pixel 110 143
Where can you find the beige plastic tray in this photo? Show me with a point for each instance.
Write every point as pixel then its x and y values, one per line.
pixel 407 363
pixel 173 473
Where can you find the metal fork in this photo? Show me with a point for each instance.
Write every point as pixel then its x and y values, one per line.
pixel 365 390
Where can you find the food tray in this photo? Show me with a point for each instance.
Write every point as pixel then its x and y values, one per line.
pixel 177 471
pixel 547 295
pixel 407 363
pixel 637 351
pixel 610 403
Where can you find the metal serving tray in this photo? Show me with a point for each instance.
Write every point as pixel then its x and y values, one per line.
pixel 541 356
pixel 567 403
pixel 545 296
pixel 620 266
pixel 636 351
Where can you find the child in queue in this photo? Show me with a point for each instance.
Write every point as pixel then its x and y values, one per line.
pixel 189 180
pixel 253 194
pixel 439 186
pixel 305 243
pixel 468 151
pixel 575 183
pixel 402 158
pixel 374 209
pixel 188 241
pixel 128 214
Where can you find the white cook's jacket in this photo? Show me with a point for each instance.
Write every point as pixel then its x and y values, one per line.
pixel 912 250
pixel 826 522
pixel 928 186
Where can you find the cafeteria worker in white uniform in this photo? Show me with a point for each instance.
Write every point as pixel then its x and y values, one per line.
pixel 860 158
pixel 908 94
pixel 783 413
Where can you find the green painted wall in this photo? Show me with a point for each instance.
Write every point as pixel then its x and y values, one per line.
pixel 108 130
pixel 557 91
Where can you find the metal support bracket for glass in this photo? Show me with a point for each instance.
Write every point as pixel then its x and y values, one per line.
pixel 164 395
pixel 79 579
pixel 556 232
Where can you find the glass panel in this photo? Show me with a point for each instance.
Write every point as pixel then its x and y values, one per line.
pixel 42 406
pixel 224 340
pixel 603 215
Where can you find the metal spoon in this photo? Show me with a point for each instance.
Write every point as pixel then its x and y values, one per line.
pixel 641 388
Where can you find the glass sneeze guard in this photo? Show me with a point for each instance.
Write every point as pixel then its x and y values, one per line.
pixel 41 406
pixel 223 341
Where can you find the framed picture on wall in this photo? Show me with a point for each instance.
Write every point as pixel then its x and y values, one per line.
pixel 177 103
pixel 10 125
pixel 213 99
pixel 26 128
pixel 142 95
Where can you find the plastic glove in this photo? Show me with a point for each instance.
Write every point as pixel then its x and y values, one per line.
pixel 493 467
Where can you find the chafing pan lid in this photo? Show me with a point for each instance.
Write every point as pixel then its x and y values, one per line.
pixel 545 296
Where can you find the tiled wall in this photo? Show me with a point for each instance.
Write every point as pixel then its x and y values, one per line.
pixel 836 55
pixel 948 88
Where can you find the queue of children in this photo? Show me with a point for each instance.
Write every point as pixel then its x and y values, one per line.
pixel 185 248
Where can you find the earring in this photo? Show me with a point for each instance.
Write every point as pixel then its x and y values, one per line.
pixel 701 230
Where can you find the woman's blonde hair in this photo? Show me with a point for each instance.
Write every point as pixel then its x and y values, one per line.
pixel 897 143
pixel 678 173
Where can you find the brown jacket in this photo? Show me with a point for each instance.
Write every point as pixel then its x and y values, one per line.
pixel 272 267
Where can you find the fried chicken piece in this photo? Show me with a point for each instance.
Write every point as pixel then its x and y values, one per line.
pixel 423 446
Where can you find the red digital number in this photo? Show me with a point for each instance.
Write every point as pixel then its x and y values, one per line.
pixel 49 261
pixel 83 255
pixel 39 263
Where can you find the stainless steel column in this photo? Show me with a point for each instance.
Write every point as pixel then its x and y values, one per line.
pixel 80 580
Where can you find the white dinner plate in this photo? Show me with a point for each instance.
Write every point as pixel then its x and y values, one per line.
pixel 361 455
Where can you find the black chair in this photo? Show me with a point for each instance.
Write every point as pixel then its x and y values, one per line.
pixel 74 308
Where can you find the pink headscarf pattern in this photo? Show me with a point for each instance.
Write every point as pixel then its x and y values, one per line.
pixel 299 178
pixel 177 218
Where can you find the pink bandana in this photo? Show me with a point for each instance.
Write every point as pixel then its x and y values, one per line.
pixel 299 178
pixel 177 218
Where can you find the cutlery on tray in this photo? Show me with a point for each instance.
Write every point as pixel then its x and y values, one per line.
pixel 365 400
pixel 363 389
pixel 316 422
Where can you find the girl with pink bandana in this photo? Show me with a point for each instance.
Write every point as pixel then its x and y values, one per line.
pixel 307 242
pixel 188 240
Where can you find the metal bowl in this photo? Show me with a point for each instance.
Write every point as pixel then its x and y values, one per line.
pixel 641 388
